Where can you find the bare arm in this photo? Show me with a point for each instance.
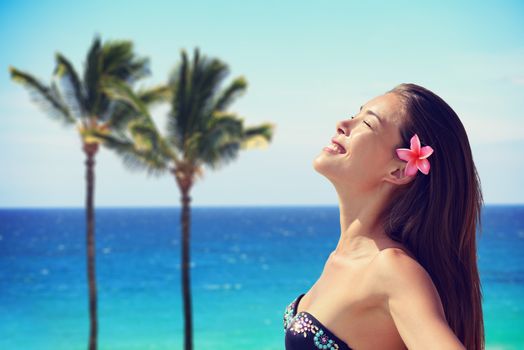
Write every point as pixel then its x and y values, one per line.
pixel 414 303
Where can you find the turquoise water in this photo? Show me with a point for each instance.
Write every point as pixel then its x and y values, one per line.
pixel 247 265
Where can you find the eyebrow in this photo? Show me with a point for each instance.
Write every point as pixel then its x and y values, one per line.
pixel 372 113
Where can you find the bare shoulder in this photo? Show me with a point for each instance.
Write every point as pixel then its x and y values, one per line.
pixel 396 262
pixel 412 301
pixel 400 273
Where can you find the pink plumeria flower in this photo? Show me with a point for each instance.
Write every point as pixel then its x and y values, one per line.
pixel 416 157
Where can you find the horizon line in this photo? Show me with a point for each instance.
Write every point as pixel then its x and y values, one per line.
pixel 212 206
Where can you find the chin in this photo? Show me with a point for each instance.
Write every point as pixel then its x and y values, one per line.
pixel 317 163
pixel 321 164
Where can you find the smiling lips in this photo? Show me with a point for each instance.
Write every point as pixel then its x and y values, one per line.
pixel 337 147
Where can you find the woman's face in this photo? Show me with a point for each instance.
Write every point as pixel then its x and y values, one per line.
pixel 369 141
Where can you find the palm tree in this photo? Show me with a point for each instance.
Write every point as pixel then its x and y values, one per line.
pixel 199 132
pixel 86 104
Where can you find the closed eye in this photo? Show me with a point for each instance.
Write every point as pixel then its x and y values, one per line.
pixel 365 122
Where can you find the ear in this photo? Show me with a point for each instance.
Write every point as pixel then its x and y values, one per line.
pixel 397 174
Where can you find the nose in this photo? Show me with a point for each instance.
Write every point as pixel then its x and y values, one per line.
pixel 342 127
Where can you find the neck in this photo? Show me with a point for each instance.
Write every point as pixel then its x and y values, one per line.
pixel 361 232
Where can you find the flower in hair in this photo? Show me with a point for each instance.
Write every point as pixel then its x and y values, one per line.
pixel 416 157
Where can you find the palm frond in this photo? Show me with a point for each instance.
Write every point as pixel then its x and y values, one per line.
pixel 194 87
pixel 134 159
pixel 136 119
pixel 47 97
pixel 235 89
pixel 71 84
pixel 169 152
pixel 225 122
pixel 119 90
pixel 145 135
pixel 150 96
pixel 257 136
pixel 122 112
pixel 222 129
pixel 92 75
pixel 119 61
pixel 178 83
pixel 198 125
pixel 206 78
pixel 114 60
pixel 222 155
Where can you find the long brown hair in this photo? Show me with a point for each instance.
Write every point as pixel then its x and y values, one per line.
pixel 436 216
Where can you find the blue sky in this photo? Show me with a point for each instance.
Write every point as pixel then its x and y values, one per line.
pixel 308 64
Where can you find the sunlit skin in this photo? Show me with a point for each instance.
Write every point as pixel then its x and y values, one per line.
pixel 372 292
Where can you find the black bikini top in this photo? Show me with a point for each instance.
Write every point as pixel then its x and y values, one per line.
pixel 304 332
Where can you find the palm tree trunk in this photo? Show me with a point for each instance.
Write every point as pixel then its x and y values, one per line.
pixel 90 150
pixel 186 287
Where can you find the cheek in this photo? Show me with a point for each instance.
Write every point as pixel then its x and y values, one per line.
pixel 364 148
pixel 367 156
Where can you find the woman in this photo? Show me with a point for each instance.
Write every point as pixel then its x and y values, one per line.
pixel 404 272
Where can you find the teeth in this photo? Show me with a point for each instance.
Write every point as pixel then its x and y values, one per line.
pixel 336 147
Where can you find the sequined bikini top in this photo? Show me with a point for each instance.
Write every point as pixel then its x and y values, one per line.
pixel 304 332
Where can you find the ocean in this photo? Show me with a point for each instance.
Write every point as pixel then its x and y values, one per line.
pixel 247 265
